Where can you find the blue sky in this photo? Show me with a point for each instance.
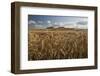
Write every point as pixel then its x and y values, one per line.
pixel 44 21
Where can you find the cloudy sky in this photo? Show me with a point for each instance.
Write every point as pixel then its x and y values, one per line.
pixel 44 21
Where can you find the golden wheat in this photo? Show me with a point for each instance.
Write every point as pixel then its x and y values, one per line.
pixel 57 44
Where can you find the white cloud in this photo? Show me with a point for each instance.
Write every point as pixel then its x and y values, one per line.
pixel 49 21
pixel 61 24
pixel 39 26
pixel 32 22
pixel 55 23
pixel 40 22
pixel 76 26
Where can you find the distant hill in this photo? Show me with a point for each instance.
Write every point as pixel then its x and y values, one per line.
pixel 59 28
pixel 64 29
pixel 50 28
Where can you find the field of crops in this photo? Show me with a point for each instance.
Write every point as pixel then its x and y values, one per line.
pixel 57 44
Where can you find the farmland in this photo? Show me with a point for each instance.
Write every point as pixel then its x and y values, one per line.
pixel 49 44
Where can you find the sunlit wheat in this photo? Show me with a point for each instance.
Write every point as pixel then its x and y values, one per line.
pixel 57 44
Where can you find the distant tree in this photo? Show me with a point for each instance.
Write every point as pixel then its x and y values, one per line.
pixel 50 27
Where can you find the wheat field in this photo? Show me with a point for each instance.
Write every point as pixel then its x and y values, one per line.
pixel 57 44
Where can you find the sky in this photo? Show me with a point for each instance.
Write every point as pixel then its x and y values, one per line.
pixel 44 21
